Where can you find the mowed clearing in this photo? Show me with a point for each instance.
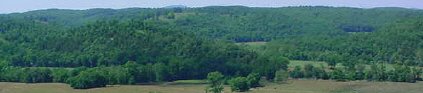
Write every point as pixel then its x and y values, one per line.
pixel 293 86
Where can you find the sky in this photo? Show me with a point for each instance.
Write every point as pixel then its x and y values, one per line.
pixel 12 6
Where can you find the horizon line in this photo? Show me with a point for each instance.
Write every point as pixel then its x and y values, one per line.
pixel 82 9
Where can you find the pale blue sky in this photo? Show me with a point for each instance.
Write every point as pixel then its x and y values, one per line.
pixel 10 6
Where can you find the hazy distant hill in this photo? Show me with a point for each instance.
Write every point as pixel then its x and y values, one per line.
pixel 176 6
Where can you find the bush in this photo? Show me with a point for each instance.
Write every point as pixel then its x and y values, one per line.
pixel 88 79
pixel 60 75
pixel 321 73
pixel 118 75
pixel 35 75
pixel 296 73
pixel 215 79
pixel 253 79
pixel 239 84
pixel 338 75
pixel 309 71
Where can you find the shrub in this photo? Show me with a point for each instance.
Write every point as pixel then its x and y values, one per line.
pixel 215 79
pixel 239 84
pixel 253 79
pixel 88 79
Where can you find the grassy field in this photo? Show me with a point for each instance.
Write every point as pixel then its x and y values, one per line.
pixel 292 86
pixel 326 86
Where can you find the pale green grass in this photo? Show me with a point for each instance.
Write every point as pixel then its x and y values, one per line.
pixel 327 86
pixel 292 86
pixel 185 82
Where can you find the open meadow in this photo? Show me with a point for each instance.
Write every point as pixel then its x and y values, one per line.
pixel 293 86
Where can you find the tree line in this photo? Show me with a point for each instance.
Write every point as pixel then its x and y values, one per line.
pixel 375 72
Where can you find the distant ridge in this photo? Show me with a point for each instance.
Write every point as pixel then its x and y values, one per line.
pixel 176 6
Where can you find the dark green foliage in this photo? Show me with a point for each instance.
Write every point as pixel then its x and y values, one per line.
pixel 296 73
pixel 88 79
pixel 215 79
pixel 253 80
pixel 376 73
pixel 60 75
pixel 339 74
pixel 161 72
pixel 3 67
pixel 267 65
pixel 133 71
pixel 239 84
pixel 26 75
pixel 34 75
pixel 360 73
pixel 320 73
pixel 76 71
pixel 403 74
pixel 117 75
pixel 309 71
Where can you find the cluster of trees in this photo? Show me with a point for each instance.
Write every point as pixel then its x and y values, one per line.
pixel 27 75
pixel 83 77
pixel 375 72
pixel 240 84
pixel 309 71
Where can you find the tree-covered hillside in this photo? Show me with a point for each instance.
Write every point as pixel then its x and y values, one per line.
pixel 244 24
pixel 95 47
pixel 118 52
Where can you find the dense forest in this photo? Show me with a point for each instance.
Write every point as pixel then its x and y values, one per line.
pixel 98 47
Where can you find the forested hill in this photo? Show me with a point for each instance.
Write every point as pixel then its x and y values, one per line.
pixel 124 52
pixel 302 33
pixel 238 23
pixel 142 45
